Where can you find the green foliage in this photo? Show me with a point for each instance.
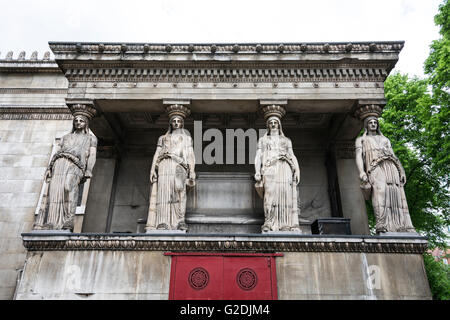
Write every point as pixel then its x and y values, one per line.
pixel 438 277
pixel 416 120
pixel 409 121
pixel 437 66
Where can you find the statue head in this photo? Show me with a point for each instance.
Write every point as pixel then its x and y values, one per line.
pixel 371 125
pixel 273 123
pixel 80 123
pixel 176 122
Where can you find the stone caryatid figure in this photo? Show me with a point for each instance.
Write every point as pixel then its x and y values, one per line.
pixel 71 165
pixel 172 171
pixel 382 175
pixel 277 175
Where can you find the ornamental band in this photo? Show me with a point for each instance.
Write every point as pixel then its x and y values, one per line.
pixel 171 171
pixel 277 176
pixel 71 165
pixel 382 177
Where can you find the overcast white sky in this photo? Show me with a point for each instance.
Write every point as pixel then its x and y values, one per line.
pixel 28 25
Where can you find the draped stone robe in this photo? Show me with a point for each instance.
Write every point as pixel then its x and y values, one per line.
pixel 388 196
pixel 277 181
pixel 173 162
pixel 67 167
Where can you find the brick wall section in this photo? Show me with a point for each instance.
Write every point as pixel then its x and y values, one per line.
pixel 25 148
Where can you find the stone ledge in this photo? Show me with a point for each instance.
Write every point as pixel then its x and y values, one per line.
pixel 171 48
pixel 224 242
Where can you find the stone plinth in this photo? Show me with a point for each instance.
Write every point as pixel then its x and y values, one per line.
pixel 134 266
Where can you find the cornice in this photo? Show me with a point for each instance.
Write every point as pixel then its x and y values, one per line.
pixel 29 66
pixel 173 48
pixel 223 243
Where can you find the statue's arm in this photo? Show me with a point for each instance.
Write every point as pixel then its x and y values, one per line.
pixel 91 158
pixel 258 161
pixel 402 170
pixel 153 176
pixel 191 160
pixel 360 160
pixel 48 172
pixel 295 161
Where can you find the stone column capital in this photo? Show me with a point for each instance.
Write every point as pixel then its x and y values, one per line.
pixel 272 110
pixel 178 110
pixel 367 110
pixel 83 107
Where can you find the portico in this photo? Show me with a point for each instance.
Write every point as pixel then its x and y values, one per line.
pixel 320 85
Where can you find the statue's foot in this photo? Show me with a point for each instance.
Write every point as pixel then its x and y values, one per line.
pixel 265 228
pixel 68 226
pixel 38 227
pixel 182 226
pixel 162 226
pixel 381 230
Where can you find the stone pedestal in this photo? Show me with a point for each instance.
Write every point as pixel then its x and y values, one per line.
pixel 60 266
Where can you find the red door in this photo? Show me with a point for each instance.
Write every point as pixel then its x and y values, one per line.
pixel 213 276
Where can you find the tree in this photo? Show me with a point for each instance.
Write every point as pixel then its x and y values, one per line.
pixel 416 120
pixel 437 66
pixel 407 118
pixel 438 277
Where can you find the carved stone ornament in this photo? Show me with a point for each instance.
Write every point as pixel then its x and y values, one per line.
pixel 289 243
pixel 273 111
pixel 172 171
pixel 86 110
pixel 178 110
pixel 371 110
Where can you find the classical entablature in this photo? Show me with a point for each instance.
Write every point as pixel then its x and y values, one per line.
pixel 225 83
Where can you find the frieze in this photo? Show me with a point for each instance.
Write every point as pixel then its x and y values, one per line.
pixel 137 242
pixel 32 90
pixel 35 113
pixel 217 74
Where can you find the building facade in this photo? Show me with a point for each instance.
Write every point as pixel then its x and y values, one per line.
pixel 322 88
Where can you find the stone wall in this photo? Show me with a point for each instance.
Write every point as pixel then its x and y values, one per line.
pixel 348 275
pixel 32 114
pixel 96 275
pixel 25 148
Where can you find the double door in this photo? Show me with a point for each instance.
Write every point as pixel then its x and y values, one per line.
pixel 216 276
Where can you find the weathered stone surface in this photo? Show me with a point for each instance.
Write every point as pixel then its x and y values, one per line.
pixel 25 147
pixel 96 275
pixel 353 204
pixel 371 276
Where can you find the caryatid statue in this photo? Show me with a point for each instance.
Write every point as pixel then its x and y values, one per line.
pixel 277 175
pixel 382 175
pixel 172 171
pixel 71 165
